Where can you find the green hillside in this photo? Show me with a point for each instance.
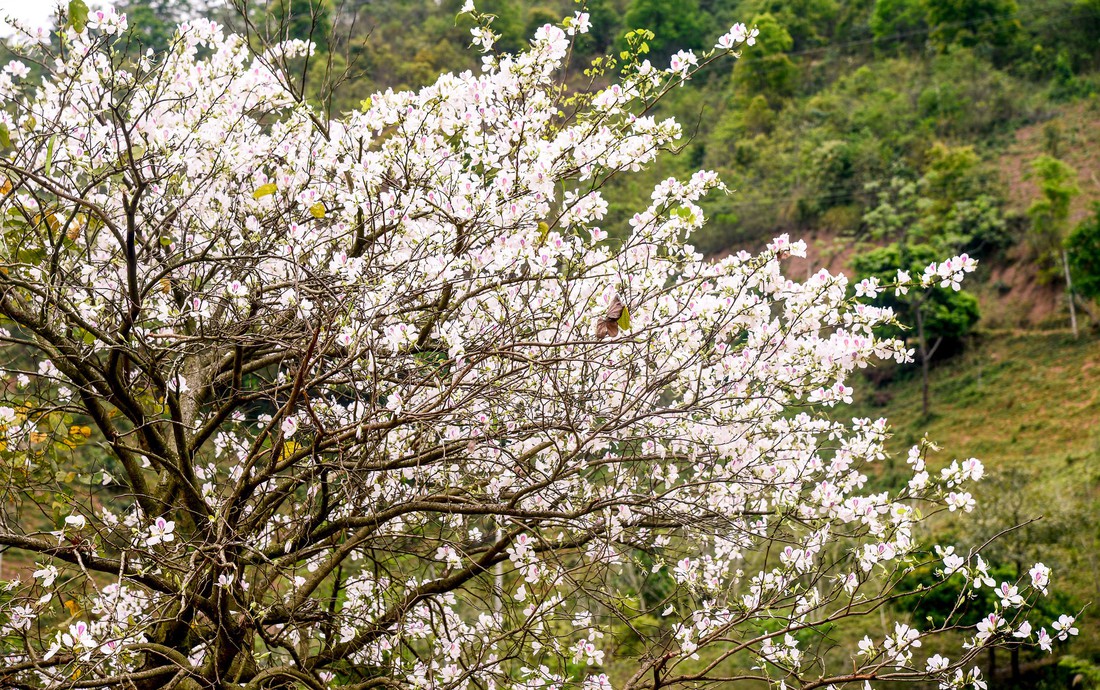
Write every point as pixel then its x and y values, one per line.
pixel 1024 400
pixel 1027 404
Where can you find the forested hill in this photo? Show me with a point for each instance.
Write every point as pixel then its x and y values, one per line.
pixel 881 132
pixel 847 120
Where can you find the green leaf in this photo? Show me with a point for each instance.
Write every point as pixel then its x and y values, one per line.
pixel 624 319
pixel 5 136
pixel 430 356
pixel 78 15
pixel 49 154
pixel 544 231
pixel 264 190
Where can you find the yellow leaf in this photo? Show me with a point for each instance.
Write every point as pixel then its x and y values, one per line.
pixel 317 210
pixel 78 16
pixel 165 285
pixel 264 190
pixel 624 319
pixel 544 231
pixel 74 608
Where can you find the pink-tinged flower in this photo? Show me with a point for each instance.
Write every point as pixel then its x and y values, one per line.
pixel 1064 627
pixel 597 682
pixel 682 61
pixel 236 289
pixel 96 19
pixel 47 575
pixel 21 618
pixel 1010 598
pixel 1040 577
pixel 868 287
pixel 851 583
pixel 684 570
pixel 580 24
pixel 17 69
pixel 289 427
pixel 987 627
pixel 78 636
pixel 1045 642
pixel 161 531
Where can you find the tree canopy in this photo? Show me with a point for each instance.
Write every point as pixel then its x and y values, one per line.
pixel 300 401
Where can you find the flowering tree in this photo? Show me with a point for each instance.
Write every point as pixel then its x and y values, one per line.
pixel 303 403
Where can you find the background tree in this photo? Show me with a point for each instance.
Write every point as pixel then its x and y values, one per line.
pixel 1050 218
pixel 768 70
pixel 989 24
pixel 896 24
pixel 940 315
pixel 675 27
pixel 1083 252
pixel 807 22
pixel 951 207
pixel 153 23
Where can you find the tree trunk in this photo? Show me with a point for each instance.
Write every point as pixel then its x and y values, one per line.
pixel 926 354
pixel 923 345
pixel 1069 295
pixel 1085 306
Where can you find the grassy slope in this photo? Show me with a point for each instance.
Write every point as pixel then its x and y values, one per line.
pixel 1028 405
pixel 1016 399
